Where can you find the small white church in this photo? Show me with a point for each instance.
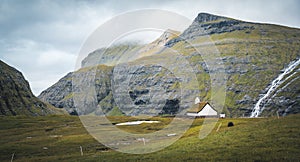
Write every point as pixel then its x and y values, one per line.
pixel 202 109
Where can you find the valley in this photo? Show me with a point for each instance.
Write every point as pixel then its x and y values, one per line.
pixel 58 138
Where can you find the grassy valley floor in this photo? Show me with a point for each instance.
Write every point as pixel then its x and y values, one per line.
pixel 58 138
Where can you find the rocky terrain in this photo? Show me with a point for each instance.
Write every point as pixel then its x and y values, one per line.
pixel 16 97
pixel 252 55
pixel 60 94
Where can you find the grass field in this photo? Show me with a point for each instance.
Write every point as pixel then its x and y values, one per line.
pixel 58 138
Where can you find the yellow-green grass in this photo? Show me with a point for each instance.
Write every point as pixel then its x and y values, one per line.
pixel 58 138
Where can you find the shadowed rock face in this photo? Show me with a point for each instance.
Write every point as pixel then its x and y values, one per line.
pixel 16 97
pixel 171 107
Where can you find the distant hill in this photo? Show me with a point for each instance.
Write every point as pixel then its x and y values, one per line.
pixel 253 55
pixel 16 97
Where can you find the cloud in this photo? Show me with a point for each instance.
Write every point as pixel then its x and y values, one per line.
pixel 41 64
pixel 267 11
pixel 53 57
pixel 142 37
pixel 42 38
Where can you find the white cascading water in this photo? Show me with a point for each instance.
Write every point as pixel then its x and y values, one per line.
pixel 275 84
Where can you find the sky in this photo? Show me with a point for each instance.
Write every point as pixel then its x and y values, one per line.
pixel 42 38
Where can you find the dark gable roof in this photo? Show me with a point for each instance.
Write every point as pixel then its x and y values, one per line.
pixel 198 107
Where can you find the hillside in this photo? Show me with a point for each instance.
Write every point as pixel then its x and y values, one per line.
pixel 58 138
pixel 252 54
pixel 16 97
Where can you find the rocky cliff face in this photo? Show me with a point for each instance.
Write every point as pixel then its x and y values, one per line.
pixel 144 92
pixel 252 55
pixel 60 94
pixel 16 97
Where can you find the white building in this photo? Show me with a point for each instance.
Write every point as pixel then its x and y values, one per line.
pixel 202 109
pixel 222 115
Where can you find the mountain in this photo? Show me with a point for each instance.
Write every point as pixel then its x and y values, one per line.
pixel 61 94
pixel 253 55
pixel 16 97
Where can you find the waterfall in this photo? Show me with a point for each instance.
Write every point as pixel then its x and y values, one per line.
pixel 274 85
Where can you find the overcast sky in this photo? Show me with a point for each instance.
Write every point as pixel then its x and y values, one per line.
pixel 42 38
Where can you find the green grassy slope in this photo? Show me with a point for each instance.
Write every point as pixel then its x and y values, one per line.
pixel 58 138
pixel 16 97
